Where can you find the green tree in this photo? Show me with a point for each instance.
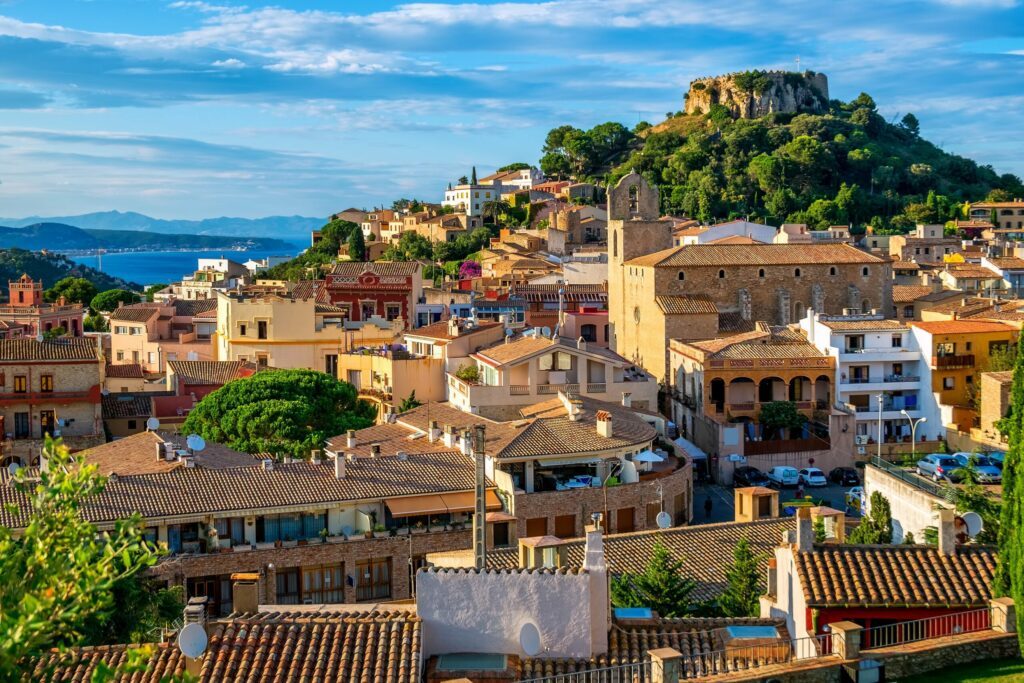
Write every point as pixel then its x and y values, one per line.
pixel 95 323
pixel 876 528
pixel 973 497
pixel 152 290
pixel 141 607
pixel 107 301
pixel 59 570
pixel 468 373
pixel 473 177
pixel 516 166
pixel 54 332
pixel 742 594
pixel 910 123
pixel 357 246
pixel 820 534
pixel 1009 579
pixel 779 415
pixel 284 412
pixel 75 290
pixel 662 586
pixel 409 402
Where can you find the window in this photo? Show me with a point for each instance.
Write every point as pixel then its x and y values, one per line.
pixel 261 329
pixel 721 275
pixel 288 586
pixel 948 383
pixel 760 273
pixel 373 579
pixel 636 314
pixel 897 341
pixel 132 424
pixel 796 272
pixel 969 379
pixel 634 199
pixel 323 584
pixel 832 270
pixel 682 275
pixel 242 329
pixel 20 384
pixel 565 526
pixel 945 349
pixel 392 311
pixel 331 364
pixel 865 271
pixel 46 383
pixel 261 360
pixel 501 535
pixel 969 345
pixel 536 526
pixel 589 332
pixel 120 355
pixel 908 311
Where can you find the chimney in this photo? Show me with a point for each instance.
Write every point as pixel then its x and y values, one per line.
pixel 375 451
pixel 350 439
pixel 448 437
pixel 435 433
pixel 464 443
pixel 245 589
pixel 964 301
pixel 159 450
pixel 339 466
pixel 627 399
pixel 604 423
pixel 195 613
pixel 314 456
pixel 581 344
pixel 804 531
pixel 597 577
pixel 453 327
pixel 956 315
pixel 268 465
pixel 947 532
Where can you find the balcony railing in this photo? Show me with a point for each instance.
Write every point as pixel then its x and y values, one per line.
pixel 519 389
pixel 915 631
pixel 944 362
pixel 886 407
pixel 596 387
pixel 42 395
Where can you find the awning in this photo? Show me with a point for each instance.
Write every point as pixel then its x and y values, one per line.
pixel 465 501
pixel 690 449
pixel 567 461
pixel 416 506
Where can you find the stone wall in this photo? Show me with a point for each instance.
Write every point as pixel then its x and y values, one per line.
pixel 913 509
pixel 786 92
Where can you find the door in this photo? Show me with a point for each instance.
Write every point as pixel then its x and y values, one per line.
pixel 21 426
pixel 624 520
pixel 538 526
pixel 47 422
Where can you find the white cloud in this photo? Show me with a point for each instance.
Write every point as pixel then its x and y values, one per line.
pixel 231 63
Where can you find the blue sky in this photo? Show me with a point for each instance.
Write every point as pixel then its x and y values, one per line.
pixel 190 109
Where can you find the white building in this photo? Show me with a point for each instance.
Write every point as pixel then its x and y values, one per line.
pixel 471 200
pixel 708 234
pixel 878 357
pixel 510 181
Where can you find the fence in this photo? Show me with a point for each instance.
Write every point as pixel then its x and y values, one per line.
pixel 946 493
pixel 634 672
pixel 742 657
pixel 925 629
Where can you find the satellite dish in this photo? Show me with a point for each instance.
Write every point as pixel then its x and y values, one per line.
pixel 105 392
pixel 192 640
pixel 152 424
pixel 195 442
pixel 13 468
pixel 39 337
pixel 664 520
pixel 973 522
pixel 545 332
pixel 529 639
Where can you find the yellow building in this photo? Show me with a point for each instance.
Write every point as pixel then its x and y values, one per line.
pixel 282 325
pixel 388 376
pixel 957 351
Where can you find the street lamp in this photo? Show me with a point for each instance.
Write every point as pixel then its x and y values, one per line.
pixel 913 432
pixel 880 399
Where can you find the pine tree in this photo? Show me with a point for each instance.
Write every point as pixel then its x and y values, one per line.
pixel 876 528
pixel 357 246
pixel 473 177
pixel 1009 579
pixel 661 586
pixel 743 584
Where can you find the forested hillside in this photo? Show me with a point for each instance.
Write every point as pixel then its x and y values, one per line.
pixel 847 166
pixel 51 267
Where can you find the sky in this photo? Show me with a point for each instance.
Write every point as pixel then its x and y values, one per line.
pixel 192 109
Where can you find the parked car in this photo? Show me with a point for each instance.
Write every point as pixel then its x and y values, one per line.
pixel 749 476
pixel 984 468
pixel 783 475
pixel 844 476
pixel 938 466
pixel 812 476
pixel 997 458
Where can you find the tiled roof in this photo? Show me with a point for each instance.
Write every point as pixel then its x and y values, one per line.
pixel 126 405
pixel 135 313
pixel 1002 376
pixel 206 371
pixel 277 646
pixel 705 550
pixel 733 321
pixel 192 307
pixel 697 304
pixel 125 371
pixel 61 348
pixel 961 326
pixel 582 293
pixel 905 265
pixel 759 344
pixel 754 255
pixel 629 642
pixel 383 268
pixel 1008 263
pixel 972 273
pixel 896 575
pixel 518 349
pixel 136 454
pixel 198 491
pixel 963 305
pixel 439 330
pixel 856 325
pixel 905 294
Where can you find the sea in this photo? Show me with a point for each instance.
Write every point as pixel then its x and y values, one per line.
pixel 152 267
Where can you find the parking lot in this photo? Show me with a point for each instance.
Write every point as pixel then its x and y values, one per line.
pixel 722 508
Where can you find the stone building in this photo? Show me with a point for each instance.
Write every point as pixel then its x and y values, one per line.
pixel 659 292
pixel 26 314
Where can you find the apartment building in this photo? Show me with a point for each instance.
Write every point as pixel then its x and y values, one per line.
pixel 522 371
pixel 150 334
pixel 927 244
pixel 1005 215
pixel 26 314
pixel 49 387
pixel 365 289
pixel 471 200
pixel 211 274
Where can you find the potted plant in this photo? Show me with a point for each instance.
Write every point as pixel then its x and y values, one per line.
pixel 379 531
pixel 323 535
pixel 401 531
pixel 337 538
pixel 266 545
pixel 437 525
pixel 418 527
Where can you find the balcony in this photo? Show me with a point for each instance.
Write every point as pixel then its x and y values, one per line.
pixel 483 394
pixel 751 408
pixel 37 396
pixel 953 362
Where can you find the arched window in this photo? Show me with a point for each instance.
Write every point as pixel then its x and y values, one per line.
pixel 796 272
pixel 721 275
pixel 634 199
pixel 865 306
pixel 864 271
pixel 682 276
pixel 832 270
pixel 798 310
pixel 760 273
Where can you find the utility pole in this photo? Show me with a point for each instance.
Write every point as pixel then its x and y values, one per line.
pixel 880 400
pixel 480 510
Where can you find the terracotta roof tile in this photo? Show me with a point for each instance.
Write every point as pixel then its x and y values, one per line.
pixel 439 330
pixel 61 348
pixel 871 324
pixel 961 326
pixel 896 575
pixel 135 313
pixel 136 454
pixel 192 307
pixel 208 371
pixel 905 294
pixel 697 304
pixel 755 255
pixel 126 405
pixel 383 268
pixel 125 371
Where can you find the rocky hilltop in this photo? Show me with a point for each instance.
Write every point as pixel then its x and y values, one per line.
pixel 750 94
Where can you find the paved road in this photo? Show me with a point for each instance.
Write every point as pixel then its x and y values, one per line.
pixel 722 500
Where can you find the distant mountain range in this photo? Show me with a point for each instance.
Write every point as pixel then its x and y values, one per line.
pixel 67 238
pixel 284 227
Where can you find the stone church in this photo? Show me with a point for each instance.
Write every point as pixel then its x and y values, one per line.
pixel 658 292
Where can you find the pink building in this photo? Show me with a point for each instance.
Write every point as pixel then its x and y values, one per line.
pixel 26 310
